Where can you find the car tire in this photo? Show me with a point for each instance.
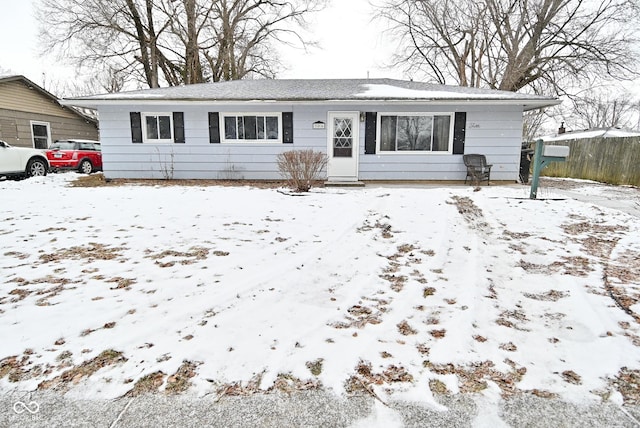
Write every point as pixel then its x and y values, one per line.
pixel 85 167
pixel 36 168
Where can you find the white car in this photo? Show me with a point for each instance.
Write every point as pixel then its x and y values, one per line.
pixel 22 161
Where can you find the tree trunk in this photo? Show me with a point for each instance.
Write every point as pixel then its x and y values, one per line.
pixel 145 57
pixel 193 68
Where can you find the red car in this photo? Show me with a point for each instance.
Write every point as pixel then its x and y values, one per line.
pixel 81 155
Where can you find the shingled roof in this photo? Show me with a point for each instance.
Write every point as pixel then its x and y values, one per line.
pixel 316 90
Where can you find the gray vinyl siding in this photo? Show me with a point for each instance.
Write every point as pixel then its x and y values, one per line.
pixel 495 131
pixel 491 130
pixel 197 158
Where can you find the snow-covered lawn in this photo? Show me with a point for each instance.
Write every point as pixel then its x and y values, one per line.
pixel 395 292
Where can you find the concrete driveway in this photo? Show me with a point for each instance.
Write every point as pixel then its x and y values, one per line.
pixel 621 198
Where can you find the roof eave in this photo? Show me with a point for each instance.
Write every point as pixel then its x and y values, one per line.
pixel 541 104
pixel 527 104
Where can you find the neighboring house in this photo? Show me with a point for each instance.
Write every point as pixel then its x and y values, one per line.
pixel 371 129
pixel 32 117
pixel 589 134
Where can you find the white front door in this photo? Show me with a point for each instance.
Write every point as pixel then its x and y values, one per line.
pixel 343 146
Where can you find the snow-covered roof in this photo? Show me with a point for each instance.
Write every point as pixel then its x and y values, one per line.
pixel 317 90
pixel 592 133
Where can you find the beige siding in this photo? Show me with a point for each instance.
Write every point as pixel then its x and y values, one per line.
pixel 15 127
pixel 16 95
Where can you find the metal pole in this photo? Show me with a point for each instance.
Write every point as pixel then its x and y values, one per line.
pixel 537 167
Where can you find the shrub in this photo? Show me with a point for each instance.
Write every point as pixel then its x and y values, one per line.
pixel 301 168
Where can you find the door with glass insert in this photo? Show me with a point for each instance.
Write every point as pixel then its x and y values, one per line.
pixel 343 146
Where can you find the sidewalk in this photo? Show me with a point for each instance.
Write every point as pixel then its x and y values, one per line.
pixel 308 409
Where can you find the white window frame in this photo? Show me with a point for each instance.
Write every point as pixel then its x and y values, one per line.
pixel 414 152
pixel 33 137
pixel 143 120
pixel 223 131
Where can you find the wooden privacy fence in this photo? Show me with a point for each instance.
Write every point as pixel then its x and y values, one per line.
pixel 608 160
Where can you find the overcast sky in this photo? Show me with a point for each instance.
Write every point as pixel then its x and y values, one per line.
pixel 351 46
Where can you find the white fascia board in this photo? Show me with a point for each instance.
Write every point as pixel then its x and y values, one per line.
pixel 527 104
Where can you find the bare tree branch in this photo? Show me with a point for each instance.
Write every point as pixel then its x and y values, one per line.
pixel 515 44
pixel 174 42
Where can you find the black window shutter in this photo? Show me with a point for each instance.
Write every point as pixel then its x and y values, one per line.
pixel 178 127
pixel 459 130
pixel 214 127
pixel 136 127
pixel 370 133
pixel 287 127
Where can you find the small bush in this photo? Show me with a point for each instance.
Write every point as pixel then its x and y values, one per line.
pixel 301 168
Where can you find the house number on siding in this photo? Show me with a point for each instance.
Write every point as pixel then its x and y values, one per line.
pixel 474 125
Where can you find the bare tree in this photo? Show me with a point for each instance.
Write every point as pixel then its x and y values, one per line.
pixel 174 41
pixel 515 44
pixel 532 124
pixel 103 81
pixel 604 110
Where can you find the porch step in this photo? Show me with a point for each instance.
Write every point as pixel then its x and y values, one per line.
pixel 343 184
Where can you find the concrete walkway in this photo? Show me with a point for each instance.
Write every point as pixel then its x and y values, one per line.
pixel 307 409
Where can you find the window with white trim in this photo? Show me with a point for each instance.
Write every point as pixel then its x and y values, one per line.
pixel 254 127
pixel 415 132
pixel 157 127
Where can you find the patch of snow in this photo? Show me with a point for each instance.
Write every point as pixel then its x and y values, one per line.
pixel 597 133
pixel 488 405
pixel 390 91
pixel 381 417
pixel 132 95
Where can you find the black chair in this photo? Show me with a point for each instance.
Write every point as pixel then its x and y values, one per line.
pixel 477 168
